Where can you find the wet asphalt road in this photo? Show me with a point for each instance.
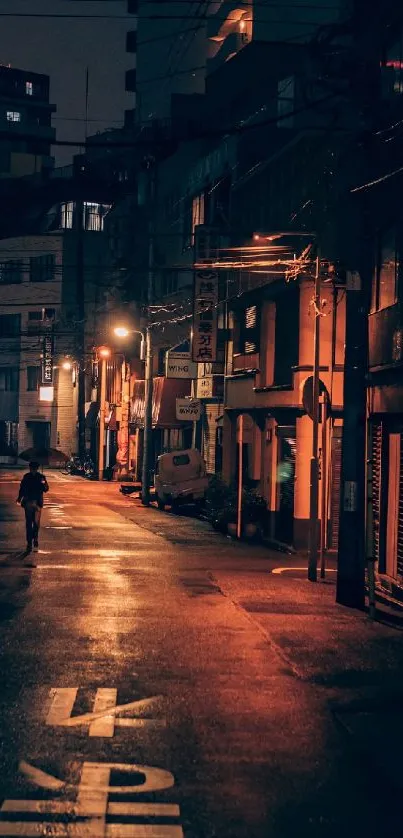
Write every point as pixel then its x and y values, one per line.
pixel 138 700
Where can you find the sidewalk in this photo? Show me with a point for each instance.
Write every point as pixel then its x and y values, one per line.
pixel 321 641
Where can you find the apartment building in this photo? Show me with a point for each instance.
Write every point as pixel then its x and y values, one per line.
pixel 25 123
pixel 39 327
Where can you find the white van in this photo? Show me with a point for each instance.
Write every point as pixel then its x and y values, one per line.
pixel 180 477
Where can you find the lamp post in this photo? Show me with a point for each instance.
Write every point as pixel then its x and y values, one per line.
pixel 103 354
pixel 314 469
pixel 145 355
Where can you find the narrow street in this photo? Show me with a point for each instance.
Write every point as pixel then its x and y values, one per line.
pixel 143 697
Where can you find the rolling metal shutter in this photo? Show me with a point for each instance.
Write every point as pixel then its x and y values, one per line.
pixel 335 487
pixel 376 485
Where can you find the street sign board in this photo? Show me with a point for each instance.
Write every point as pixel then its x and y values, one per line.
pixel 205 387
pixel 188 410
pixel 179 365
pixel 47 359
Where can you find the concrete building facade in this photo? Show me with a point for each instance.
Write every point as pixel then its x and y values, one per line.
pixel 25 123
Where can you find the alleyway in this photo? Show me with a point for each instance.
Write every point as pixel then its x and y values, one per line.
pixel 160 681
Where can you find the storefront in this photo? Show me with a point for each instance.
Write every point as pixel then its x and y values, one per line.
pixel 168 432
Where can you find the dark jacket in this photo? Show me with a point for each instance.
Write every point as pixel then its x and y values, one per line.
pixel 32 487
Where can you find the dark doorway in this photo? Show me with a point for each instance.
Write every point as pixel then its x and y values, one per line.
pixel 40 434
pixel 285 484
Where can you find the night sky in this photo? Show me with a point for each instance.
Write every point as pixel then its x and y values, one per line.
pixel 63 49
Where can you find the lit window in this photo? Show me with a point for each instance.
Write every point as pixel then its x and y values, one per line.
pixel 94 215
pixel 13 116
pixel 197 212
pixel 66 216
pixel 29 88
pixel 46 394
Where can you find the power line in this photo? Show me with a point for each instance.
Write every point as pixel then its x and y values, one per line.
pixel 182 48
pixel 64 16
pixel 222 132
pixel 377 180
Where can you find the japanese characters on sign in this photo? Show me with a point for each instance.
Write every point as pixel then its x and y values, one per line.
pixel 47 359
pixel 205 315
pixel 188 409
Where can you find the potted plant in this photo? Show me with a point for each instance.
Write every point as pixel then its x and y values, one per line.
pixel 254 511
pixel 220 504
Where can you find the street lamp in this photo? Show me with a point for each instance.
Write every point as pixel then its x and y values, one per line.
pixel 103 353
pixel 147 356
pixel 124 332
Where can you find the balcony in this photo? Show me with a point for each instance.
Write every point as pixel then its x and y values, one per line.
pixel 386 338
pixel 248 363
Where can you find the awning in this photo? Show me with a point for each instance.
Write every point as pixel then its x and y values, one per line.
pixel 165 393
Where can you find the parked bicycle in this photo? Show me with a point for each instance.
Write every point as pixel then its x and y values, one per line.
pixel 81 466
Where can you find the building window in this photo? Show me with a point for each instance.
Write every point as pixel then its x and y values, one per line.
pixel 193 216
pixel 42 268
pixel 33 378
pixel 197 212
pixel 8 379
pixel 66 216
pixel 13 116
pixel 286 102
pixel 29 88
pixel 94 215
pixel 42 318
pixel 384 285
pixel 249 331
pixel 10 325
pixel 8 439
pixel 11 272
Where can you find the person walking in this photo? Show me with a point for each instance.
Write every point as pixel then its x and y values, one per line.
pixel 32 488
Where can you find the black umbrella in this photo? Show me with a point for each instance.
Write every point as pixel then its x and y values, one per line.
pixel 50 457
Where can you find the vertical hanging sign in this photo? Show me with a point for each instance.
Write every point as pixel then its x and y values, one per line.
pixel 47 359
pixel 205 307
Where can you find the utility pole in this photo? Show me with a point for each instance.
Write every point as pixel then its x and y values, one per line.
pixel 314 470
pixel 80 301
pixel 351 559
pixel 148 374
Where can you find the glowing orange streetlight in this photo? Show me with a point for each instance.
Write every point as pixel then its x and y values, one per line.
pixel 103 352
